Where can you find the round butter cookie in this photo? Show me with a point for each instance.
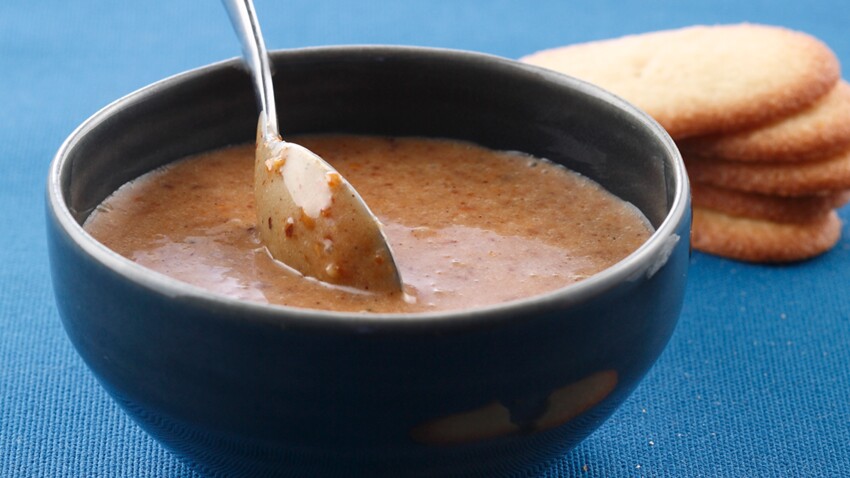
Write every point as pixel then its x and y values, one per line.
pixel 761 206
pixel 705 79
pixel 816 131
pixel 755 240
pixel 802 178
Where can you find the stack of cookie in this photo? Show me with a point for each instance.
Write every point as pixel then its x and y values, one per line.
pixel 762 118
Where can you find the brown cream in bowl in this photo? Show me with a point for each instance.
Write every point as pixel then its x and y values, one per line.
pixel 469 226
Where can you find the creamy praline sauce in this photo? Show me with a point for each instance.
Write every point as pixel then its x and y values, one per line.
pixel 468 226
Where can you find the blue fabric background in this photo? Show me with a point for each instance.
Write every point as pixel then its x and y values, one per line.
pixel 756 379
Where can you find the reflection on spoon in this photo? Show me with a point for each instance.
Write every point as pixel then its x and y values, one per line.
pixel 309 217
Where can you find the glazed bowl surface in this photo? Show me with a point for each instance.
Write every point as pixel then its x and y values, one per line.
pixel 247 389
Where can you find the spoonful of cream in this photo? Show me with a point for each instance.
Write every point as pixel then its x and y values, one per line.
pixel 308 216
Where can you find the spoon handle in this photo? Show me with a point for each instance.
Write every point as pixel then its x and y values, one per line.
pixel 247 27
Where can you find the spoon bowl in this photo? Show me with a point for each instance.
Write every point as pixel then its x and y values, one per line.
pixel 309 217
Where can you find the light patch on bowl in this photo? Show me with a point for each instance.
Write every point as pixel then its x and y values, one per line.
pixel 494 419
pixel 660 259
pixel 490 421
pixel 572 400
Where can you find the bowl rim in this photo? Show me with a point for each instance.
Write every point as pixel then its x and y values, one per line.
pixel 645 260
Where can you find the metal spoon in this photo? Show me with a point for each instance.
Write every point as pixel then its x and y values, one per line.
pixel 308 216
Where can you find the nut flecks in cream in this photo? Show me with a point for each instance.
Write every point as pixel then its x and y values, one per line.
pixel 469 226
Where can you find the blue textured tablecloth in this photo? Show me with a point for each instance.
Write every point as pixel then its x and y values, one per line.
pixel 755 381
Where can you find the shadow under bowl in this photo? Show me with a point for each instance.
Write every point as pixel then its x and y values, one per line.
pixel 246 389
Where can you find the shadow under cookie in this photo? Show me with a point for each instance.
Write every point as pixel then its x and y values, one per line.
pixel 806 178
pixel 800 209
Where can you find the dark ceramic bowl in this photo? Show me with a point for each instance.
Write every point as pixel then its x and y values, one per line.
pixel 246 389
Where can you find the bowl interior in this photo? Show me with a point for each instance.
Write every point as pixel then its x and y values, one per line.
pixel 380 90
